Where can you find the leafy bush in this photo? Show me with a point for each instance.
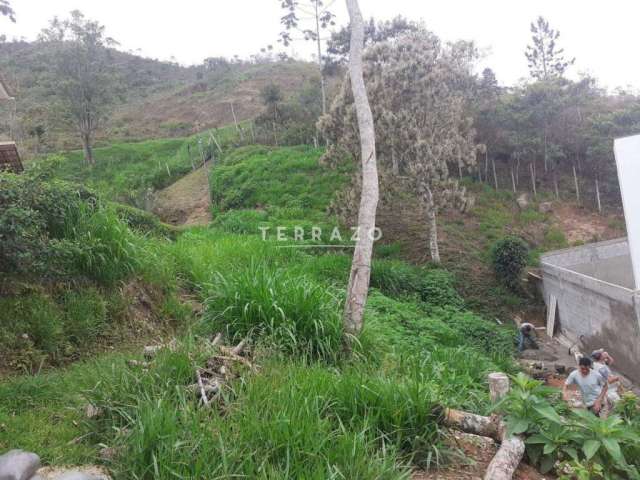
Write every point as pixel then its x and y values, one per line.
pixel 294 314
pixel 142 221
pixel 509 256
pixel 601 446
pixel 33 217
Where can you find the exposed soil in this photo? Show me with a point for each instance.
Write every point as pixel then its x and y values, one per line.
pixel 186 202
pixel 478 453
pixel 582 225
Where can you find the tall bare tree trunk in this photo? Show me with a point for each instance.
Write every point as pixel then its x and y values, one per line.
pixel 361 265
pixel 486 165
pixel 235 121
pixel 575 181
pixel 513 180
pixel 430 208
pixel 395 168
pixel 545 149
pixel 323 87
pixel 598 195
pixel 533 180
pixel 555 183
pixel 495 175
pixel 87 149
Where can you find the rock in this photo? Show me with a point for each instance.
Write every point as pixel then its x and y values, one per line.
pixel 77 475
pixel 89 472
pixel 91 411
pixel 18 465
pixel 545 207
pixel 561 369
pixel 150 351
pixel 108 454
pixel 523 201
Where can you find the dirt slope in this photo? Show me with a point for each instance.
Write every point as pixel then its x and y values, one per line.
pixel 186 202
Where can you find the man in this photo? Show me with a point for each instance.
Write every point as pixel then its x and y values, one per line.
pixel 526 337
pixel 602 362
pixel 591 384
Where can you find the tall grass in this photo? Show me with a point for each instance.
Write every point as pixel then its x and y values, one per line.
pixel 292 313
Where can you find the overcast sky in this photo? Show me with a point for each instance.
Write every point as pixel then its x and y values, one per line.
pixel 602 35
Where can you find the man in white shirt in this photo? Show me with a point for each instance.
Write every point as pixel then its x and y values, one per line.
pixel 602 362
pixel 592 385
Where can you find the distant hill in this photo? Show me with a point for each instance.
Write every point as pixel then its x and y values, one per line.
pixel 159 99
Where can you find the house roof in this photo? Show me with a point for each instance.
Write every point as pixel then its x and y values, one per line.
pixel 5 93
pixel 10 158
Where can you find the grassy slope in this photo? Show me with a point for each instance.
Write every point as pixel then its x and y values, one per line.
pixel 162 99
pixel 373 410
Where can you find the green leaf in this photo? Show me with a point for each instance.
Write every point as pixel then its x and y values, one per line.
pixel 549 448
pixel 613 447
pixel 520 426
pixel 572 452
pixel 549 413
pixel 590 448
pixel 536 439
pixel 546 464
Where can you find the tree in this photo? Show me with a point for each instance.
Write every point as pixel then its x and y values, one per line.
pixel 545 59
pixel 417 90
pixel 360 274
pixel 339 43
pixel 272 97
pixel 7 11
pixel 86 84
pixel 309 17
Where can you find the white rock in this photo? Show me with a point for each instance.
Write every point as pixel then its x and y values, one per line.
pixel 18 465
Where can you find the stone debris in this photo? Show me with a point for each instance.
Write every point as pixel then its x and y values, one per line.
pixel 523 201
pixel 21 465
pixel 545 207
pixel 73 473
pixel 91 411
pixel 18 465
pixel 150 351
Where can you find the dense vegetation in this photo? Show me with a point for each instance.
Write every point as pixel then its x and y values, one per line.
pixel 373 415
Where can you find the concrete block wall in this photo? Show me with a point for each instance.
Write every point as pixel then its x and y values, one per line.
pixel 596 312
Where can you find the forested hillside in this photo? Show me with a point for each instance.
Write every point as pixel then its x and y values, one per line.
pixel 154 99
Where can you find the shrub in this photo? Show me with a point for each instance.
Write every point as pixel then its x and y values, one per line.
pixel 107 251
pixel 432 286
pixel 292 313
pixel 142 221
pixel 509 256
pixel 33 215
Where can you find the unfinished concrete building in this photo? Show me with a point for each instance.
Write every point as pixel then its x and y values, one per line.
pixel 597 305
pixel 592 291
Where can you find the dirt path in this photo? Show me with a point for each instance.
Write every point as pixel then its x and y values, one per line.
pixel 186 202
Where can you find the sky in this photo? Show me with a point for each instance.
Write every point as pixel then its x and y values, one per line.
pixel 602 35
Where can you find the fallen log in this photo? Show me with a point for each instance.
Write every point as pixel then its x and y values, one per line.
pixel 509 455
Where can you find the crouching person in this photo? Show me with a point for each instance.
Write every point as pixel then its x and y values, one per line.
pixel 527 337
pixel 591 384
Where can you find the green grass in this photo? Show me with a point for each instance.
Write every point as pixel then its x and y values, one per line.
pixel 128 172
pixel 288 181
pixel 310 412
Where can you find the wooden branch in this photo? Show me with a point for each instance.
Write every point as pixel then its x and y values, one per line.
pixel 203 393
pixel 472 423
pixel 216 340
pixel 237 350
pixel 506 460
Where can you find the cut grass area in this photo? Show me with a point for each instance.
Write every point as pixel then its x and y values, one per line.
pixel 128 172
